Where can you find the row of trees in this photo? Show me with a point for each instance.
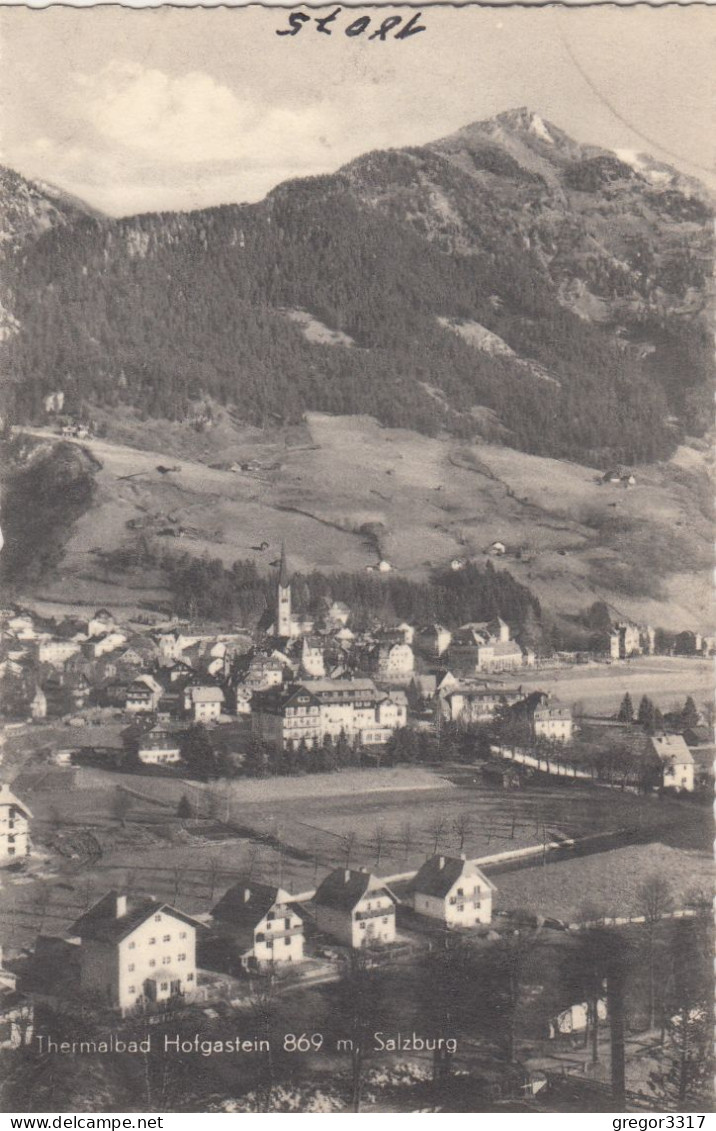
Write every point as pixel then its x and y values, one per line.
pixel 651 718
pixel 203 587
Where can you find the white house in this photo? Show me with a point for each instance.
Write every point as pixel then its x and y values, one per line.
pixel 143 695
pixel 676 759
pixel 55 652
pixel 204 702
pixel 356 908
pixel 160 745
pixel 452 890
pixel 133 953
pixel 392 660
pixel 312 662
pixel 15 820
pixel 262 922
pixel 553 722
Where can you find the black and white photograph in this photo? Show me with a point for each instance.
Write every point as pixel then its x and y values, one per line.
pixel 356 622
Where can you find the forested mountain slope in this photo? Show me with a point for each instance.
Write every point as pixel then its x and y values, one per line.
pixel 504 282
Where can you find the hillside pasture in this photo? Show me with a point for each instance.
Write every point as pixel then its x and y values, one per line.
pixel 320 487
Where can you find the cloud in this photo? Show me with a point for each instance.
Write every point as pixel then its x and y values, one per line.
pixel 192 119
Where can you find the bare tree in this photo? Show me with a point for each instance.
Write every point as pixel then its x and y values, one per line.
pixel 252 856
pixel 461 827
pixel 437 829
pixel 178 875
pixel 406 838
pixel 358 995
pixel 379 841
pixel 349 841
pixel 213 870
pixel 213 802
pixel 42 898
pixel 87 893
pixel 654 900
pixel 121 804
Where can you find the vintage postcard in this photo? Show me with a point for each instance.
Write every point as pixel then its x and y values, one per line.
pixel 356 635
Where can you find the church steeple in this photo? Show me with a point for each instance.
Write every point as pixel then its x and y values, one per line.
pixel 284 578
pixel 283 598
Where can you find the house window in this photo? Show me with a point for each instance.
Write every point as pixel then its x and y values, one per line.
pixel 287 942
pixel 181 958
pixel 151 941
pixel 190 977
pixel 164 986
pixel 132 990
pixel 268 926
pixel 362 926
pixel 287 924
pixel 130 968
pixel 166 960
pixel 461 906
pixel 182 934
pixel 157 918
pixel 166 938
pixel 385 918
pixel 152 962
pixel 269 944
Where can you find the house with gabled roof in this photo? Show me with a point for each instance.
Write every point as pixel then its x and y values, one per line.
pixel 452 890
pixel 320 707
pixel 204 702
pixel 677 761
pixel 356 908
pixel 135 952
pixel 261 925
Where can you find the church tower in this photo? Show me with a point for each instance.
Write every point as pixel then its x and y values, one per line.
pixel 283 598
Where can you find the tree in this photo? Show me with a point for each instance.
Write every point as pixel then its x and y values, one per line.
pixel 213 871
pixel 462 826
pixel 437 829
pixel 406 838
pixel 349 841
pixel 184 809
pixel 654 899
pixel 358 997
pixel 689 714
pixel 121 803
pixel 645 717
pixel 198 753
pixel 684 1078
pixel 626 710
pixel 41 898
pixel 445 1005
pixel 379 842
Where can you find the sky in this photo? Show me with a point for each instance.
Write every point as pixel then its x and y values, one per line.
pixel 176 108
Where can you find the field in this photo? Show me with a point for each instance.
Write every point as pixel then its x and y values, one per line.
pixel 293 836
pixel 608 881
pixel 319 486
pixel 601 687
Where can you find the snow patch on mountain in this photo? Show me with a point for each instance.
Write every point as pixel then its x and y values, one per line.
pixel 539 129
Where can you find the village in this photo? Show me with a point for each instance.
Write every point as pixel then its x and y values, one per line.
pixel 187 813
